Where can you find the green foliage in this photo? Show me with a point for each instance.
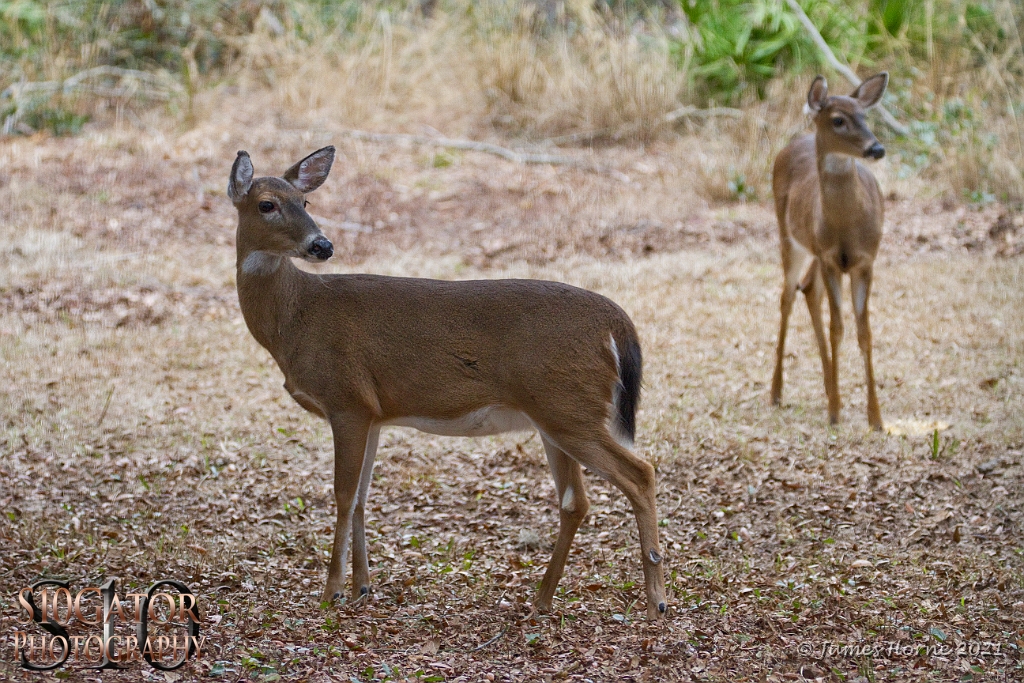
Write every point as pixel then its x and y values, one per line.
pixel 737 45
pixel 892 15
pixel 60 122
pixel 739 189
pixel 174 35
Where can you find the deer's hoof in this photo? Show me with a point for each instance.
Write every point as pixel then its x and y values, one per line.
pixel 657 612
pixel 331 594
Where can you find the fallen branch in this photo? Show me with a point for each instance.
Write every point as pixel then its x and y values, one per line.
pixel 491 641
pixel 101 81
pixel 684 112
pixel 131 83
pixel 698 113
pixel 830 57
pixel 103 414
pixel 486 147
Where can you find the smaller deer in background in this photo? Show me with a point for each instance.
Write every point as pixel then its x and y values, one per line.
pixel 830 215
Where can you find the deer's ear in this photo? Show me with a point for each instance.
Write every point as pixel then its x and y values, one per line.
pixel 870 91
pixel 241 177
pixel 817 95
pixel 311 172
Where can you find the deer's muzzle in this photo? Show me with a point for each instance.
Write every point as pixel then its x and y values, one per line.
pixel 321 248
pixel 875 151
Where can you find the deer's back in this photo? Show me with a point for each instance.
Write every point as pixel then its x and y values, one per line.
pixel 410 346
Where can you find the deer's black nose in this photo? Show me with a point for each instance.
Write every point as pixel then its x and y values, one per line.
pixel 875 151
pixel 321 248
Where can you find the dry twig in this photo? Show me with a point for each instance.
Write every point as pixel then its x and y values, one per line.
pixel 486 147
pixel 101 81
pixel 834 62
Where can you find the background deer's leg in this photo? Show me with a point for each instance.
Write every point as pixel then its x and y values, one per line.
pixel 793 259
pixel 834 289
pixel 860 282
pixel 572 510
pixel 350 437
pixel 814 292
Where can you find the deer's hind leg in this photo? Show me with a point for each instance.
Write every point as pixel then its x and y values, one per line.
pixel 598 450
pixel 794 262
pixel 572 510
pixel 813 287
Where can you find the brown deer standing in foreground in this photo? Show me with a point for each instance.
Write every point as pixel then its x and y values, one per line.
pixel 452 358
pixel 830 222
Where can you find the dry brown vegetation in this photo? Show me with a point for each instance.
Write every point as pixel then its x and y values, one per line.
pixel 147 435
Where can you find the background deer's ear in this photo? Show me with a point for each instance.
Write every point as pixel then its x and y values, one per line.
pixel 870 91
pixel 817 95
pixel 311 172
pixel 241 177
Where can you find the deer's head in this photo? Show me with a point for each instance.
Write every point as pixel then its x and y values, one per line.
pixel 841 124
pixel 272 214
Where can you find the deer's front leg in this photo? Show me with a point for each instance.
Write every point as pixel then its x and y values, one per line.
pixel 834 289
pixel 860 282
pixel 360 564
pixel 350 441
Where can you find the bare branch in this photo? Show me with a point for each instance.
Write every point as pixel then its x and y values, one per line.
pixel 486 147
pixel 834 62
pixel 697 113
pixel 101 81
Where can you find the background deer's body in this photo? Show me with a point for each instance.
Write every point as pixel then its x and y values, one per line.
pixel 452 358
pixel 830 215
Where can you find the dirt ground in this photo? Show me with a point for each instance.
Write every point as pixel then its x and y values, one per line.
pixel 146 435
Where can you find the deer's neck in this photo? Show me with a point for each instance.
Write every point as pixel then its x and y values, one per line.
pixel 841 192
pixel 268 286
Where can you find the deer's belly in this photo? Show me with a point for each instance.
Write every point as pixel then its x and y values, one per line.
pixel 483 422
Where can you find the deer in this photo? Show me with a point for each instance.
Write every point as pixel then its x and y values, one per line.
pixel 830 213
pixel 454 358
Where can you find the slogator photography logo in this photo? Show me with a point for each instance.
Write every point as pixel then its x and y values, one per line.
pixel 60 628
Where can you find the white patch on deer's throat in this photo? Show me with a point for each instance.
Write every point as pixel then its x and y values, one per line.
pixel 481 422
pixel 569 500
pixel 838 163
pixel 261 263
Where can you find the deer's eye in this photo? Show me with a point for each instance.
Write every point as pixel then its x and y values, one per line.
pixel 838 121
pixel 266 207
pixel 304 203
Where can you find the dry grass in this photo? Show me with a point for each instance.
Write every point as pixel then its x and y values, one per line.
pixel 117 281
pixel 488 71
pixel 462 70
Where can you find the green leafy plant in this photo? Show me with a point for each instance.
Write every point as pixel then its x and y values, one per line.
pixel 737 45
pixel 61 122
